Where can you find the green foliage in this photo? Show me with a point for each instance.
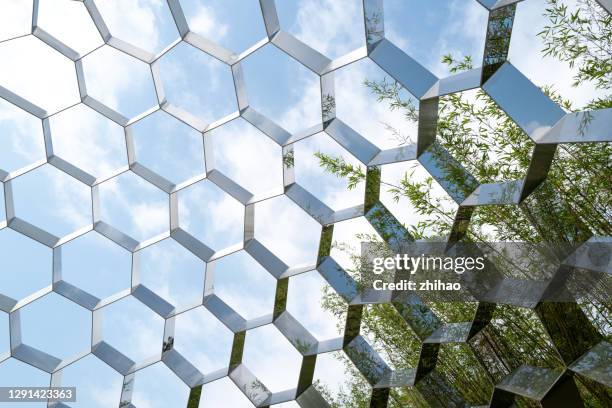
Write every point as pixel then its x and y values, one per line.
pixel 573 201
pixel 582 38
pixel 342 169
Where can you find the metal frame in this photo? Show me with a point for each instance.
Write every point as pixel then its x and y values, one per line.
pixel 543 121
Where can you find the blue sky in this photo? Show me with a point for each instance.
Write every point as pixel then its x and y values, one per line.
pixel 278 87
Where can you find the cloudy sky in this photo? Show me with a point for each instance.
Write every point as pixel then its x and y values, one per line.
pixel 278 87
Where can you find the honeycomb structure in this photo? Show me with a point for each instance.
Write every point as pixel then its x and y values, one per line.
pixel 546 124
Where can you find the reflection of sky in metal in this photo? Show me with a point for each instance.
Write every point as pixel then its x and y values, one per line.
pixel 88 181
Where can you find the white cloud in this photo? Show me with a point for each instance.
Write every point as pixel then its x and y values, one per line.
pixel 69 22
pixel 331 27
pixel 15 19
pixel 207 24
pixel 36 72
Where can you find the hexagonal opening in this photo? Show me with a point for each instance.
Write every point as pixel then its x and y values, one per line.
pixel 405 211
pixel 271 358
pixel 508 149
pixel 244 285
pixel 172 272
pixel 197 83
pixel 69 323
pixel 203 340
pixel 211 215
pixel 19 374
pixel 387 122
pixel 282 89
pixel 222 393
pixel 16 20
pixel 469 369
pixel 399 346
pixel 428 31
pixel 168 146
pixel 38 73
pixel 119 81
pixel 98 384
pixel 101 153
pixel 25 264
pixel 148 25
pixel 233 24
pixel 526 54
pixel 69 22
pixel 132 328
pixel 330 27
pixel 22 141
pixel 134 206
pixel 306 302
pixel 286 230
pixel 536 349
pixel 157 386
pixel 347 238
pixel 52 200
pixel 327 187
pixel 232 146
pixel 333 372
pixel 108 275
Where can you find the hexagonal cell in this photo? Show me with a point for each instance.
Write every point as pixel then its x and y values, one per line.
pixel 404 210
pixel 101 153
pixel 331 374
pixel 132 328
pixel 147 24
pixel 25 264
pixel 98 385
pixel 22 140
pixel 197 83
pixel 295 103
pixel 347 238
pixel 38 73
pixel 381 121
pixel 18 374
pixel 233 24
pixel 110 274
pixel 327 187
pixel 427 31
pixel 69 22
pixel 52 200
pixel 134 206
pixel 69 323
pixel 15 19
pixel 244 285
pixel 168 147
pixel 211 215
pixel 173 273
pixel 271 358
pixel 232 145
pixel 479 381
pixel 526 51
pixel 157 386
pixel 305 302
pixel 203 340
pixel 330 27
pixel 400 348
pixel 119 81
pixel 286 230
pixel 223 393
